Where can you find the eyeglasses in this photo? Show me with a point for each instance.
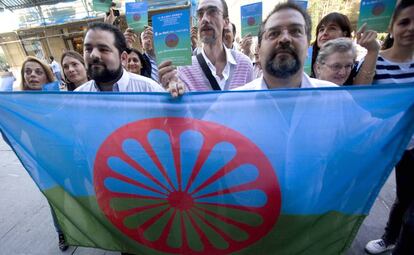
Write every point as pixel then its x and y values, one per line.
pixel 292 30
pixel 211 11
pixel 37 71
pixel 338 67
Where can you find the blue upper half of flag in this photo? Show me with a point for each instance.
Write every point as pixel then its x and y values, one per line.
pixel 330 149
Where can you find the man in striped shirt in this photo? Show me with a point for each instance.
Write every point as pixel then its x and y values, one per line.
pixel 230 69
pixel 147 43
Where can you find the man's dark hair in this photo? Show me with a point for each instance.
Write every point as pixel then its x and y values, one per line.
pixel 284 6
pixel 119 38
pixel 225 9
pixel 234 29
pixel 51 58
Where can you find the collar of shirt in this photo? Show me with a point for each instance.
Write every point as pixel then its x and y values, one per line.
pixel 120 85
pixel 306 83
pixel 226 71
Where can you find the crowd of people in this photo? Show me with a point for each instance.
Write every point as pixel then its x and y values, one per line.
pixel 110 63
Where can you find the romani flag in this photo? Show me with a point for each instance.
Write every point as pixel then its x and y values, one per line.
pixel 290 171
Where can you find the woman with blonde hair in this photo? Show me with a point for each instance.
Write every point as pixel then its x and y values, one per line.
pixel 35 73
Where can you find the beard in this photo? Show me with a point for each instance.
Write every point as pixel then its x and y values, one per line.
pixel 102 74
pixel 283 66
pixel 208 39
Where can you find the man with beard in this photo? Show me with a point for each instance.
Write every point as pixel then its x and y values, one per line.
pixel 283 42
pixel 216 67
pixel 104 51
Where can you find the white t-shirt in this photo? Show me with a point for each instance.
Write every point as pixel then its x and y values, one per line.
pixel 129 82
pixel 55 67
pixel 307 82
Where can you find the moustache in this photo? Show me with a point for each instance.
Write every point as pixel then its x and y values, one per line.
pixel 206 27
pixel 284 49
pixel 96 62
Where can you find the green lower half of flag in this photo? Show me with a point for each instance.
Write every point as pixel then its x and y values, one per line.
pixel 85 225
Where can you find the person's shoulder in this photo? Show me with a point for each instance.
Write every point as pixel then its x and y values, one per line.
pixel 240 57
pixel 253 85
pixel 141 78
pixel 87 86
pixel 316 83
pixel 144 83
pixel 308 82
pixel 190 68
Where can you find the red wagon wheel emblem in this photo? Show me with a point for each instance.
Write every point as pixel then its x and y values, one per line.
pixel 186 186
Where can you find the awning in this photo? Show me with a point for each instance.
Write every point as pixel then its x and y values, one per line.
pixel 161 4
pixel 21 4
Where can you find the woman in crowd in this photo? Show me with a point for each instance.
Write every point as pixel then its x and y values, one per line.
pixel 35 74
pixel 396 65
pixel 74 71
pixel 335 60
pixel 336 25
pixel 135 61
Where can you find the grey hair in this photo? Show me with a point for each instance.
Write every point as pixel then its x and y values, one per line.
pixel 342 44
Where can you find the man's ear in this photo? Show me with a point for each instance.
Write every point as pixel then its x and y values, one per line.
pixel 316 69
pixel 226 21
pixel 124 58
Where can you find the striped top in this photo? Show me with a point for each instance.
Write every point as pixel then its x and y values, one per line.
pixel 388 72
pixel 154 67
pixel 195 80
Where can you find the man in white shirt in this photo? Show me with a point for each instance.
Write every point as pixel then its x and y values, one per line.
pixel 104 50
pixel 283 41
pixel 55 69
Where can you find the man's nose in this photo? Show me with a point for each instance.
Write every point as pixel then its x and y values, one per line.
pixel 285 37
pixel 204 18
pixel 95 53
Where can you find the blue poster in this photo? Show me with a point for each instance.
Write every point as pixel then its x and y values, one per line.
pixel 101 5
pixel 172 37
pixel 377 14
pixel 251 18
pixel 302 4
pixel 137 15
